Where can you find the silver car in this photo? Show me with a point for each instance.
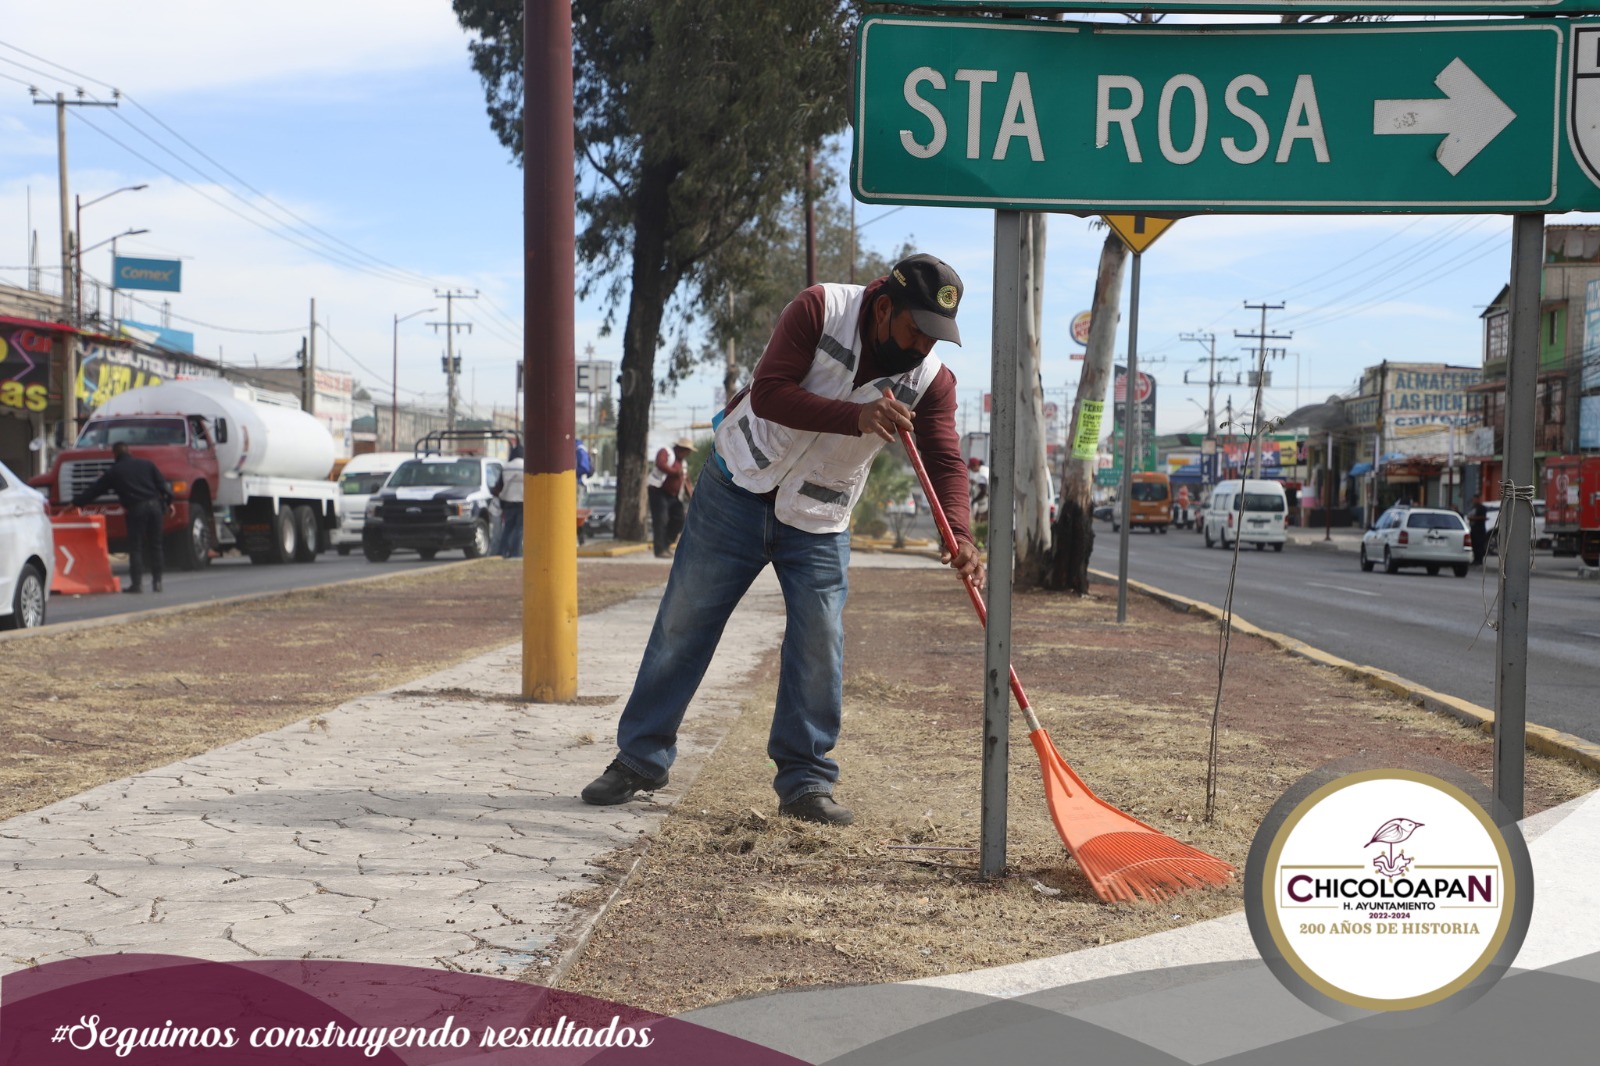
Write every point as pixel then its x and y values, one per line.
pixel 1418 536
pixel 27 553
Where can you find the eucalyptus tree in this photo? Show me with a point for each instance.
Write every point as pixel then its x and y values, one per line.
pixel 693 122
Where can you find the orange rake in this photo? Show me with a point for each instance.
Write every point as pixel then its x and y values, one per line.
pixel 1123 858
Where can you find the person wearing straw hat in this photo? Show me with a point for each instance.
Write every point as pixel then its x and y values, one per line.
pixel 666 487
pixel 848 367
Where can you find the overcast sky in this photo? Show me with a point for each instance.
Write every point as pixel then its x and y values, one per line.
pixel 340 152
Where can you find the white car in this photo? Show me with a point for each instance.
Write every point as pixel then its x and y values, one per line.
pixel 27 553
pixel 1417 536
pixel 1540 538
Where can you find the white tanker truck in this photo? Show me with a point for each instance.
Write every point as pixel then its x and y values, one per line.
pixel 249 470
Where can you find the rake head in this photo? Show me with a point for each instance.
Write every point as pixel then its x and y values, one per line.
pixel 1123 858
pixel 1146 865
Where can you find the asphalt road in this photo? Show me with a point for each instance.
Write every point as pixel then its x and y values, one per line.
pixel 1435 631
pixel 231 575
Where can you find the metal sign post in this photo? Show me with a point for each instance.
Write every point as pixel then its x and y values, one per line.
pixel 1002 546
pixel 1130 438
pixel 1516 515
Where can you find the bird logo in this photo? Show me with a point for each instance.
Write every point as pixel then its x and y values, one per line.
pixel 1392 832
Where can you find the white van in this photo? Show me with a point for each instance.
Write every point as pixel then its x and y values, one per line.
pixel 361 477
pixel 1247 512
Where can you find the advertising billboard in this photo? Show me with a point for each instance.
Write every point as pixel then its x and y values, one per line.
pixel 158 275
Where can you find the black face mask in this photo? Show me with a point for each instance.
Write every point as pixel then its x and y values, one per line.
pixel 893 359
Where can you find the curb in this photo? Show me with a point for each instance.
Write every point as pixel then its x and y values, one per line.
pixel 230 601
pixel 1538 738
pixel 612 551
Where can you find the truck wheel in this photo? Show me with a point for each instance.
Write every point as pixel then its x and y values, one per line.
pixel 285 542
pixel 306 531
pixel 191 549
pixel 376 551
pixel 28 602
pixel 480 540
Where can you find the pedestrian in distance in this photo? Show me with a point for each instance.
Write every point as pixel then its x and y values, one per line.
pixel 509 544
pixel 847 368
pixel 978 487
pixel 1478 528
pixel 145 497
pixel 666 488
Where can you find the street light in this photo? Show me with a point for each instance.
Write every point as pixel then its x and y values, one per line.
pixel 394 383
pixel 69 393
pixel 77 255
pixel 113 242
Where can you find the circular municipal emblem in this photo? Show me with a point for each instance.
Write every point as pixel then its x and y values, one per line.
pixel 947 297
pixel 1386 890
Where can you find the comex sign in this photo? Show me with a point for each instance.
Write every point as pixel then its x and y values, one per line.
pixel 160 275
pixel 1093 118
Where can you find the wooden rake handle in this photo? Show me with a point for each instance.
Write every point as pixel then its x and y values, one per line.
pixel 948 537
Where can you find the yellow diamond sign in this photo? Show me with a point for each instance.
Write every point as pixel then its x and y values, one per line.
pixel 1138 232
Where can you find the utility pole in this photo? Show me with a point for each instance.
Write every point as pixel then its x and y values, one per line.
pixel 450 326
pixel 1261 340
pixel 1209 342
pixel 730 374
pixel 308 398
pixel 69 313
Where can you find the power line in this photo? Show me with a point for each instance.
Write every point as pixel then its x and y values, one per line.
pixel 208 325
pixel 373 265
pixel 293 238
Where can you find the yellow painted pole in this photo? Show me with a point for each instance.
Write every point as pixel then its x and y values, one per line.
pixel 550 586
pixel 550 482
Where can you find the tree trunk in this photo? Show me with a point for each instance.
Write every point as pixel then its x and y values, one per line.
pixel 641 336
pixel 1074 524
pixel 1032 478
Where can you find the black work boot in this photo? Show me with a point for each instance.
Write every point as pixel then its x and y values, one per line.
pixel 155 584
pixel 817 807
pixel 618 784
pixel 134 587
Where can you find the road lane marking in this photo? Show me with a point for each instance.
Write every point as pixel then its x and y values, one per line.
pixel 1342 588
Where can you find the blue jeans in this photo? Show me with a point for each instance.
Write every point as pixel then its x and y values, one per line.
pixel 509 543
pixel 729 537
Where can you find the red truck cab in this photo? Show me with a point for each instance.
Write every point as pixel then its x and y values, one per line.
pixel 182 449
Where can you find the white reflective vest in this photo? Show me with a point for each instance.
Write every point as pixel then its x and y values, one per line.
pixel 818 476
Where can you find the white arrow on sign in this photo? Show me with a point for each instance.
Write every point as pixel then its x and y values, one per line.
pixel 1470 116
pixel 71 562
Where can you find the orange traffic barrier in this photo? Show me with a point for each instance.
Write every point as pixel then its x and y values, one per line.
pixel 83 564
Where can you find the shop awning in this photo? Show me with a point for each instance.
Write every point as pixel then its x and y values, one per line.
pixel 1360 468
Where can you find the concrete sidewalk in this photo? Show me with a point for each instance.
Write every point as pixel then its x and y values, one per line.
pixel 437 825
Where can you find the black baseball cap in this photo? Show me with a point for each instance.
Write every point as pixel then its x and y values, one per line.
pixel 931 290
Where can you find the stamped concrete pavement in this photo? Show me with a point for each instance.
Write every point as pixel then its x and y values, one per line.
pixel 436 825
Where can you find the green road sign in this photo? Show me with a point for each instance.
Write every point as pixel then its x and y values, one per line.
pixel 1318 7
pixel 1114 118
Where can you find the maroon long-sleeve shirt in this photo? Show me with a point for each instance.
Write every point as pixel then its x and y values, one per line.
pixel 777 395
